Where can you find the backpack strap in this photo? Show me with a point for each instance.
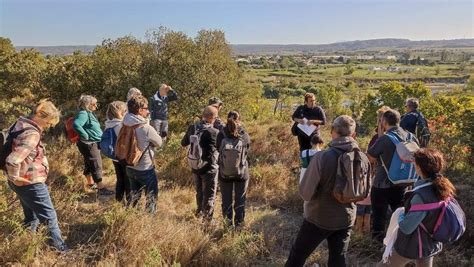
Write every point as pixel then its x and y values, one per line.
pixel 395 138
pixel 384 167
pixel 307 153
pixel 428 206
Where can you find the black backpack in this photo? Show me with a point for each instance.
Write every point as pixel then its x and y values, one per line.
pixel 6 143
pixel 422 130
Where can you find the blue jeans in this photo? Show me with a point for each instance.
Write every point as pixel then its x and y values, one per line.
pixel 143 180
pixel 37 207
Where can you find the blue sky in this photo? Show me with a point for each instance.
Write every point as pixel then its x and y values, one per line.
pixel 68 22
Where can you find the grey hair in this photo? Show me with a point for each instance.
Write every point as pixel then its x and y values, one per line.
pixel 412 102
pixel 210 112
pixel 344 125
pixel 163 86
pixel 133 92
pixel 85 101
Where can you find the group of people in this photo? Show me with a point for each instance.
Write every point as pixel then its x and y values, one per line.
pixel 133 132
pixel 217 155
pixel 325 218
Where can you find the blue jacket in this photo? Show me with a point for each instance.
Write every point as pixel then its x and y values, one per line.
pixel 159 105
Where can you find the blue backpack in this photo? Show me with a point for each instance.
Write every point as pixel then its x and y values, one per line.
pixel 402 166
pixel 451 222
pixel 107 143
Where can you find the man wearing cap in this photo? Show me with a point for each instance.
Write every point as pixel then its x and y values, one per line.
pixel 159 109
pixel 217 103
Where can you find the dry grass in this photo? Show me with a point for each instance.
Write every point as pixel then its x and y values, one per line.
pixel 101 232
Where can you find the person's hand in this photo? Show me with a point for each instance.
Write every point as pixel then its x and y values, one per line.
pixel 18 181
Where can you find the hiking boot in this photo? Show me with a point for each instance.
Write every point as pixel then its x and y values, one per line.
pixel 105 192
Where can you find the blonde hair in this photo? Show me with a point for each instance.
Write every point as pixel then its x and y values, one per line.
pixel 115 110
pixel 380 113
pixel 85 102
pixel 133 92
pixel 46 111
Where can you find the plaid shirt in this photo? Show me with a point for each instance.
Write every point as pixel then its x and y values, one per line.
pixel 27 162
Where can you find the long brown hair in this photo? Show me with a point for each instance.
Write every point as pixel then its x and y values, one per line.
pixel 431 163
pixel 233 119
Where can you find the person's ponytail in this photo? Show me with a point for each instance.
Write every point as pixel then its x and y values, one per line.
pixel 443 188
pixel 232 123
pixel 232 127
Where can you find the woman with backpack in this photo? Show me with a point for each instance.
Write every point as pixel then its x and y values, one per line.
pixel 233 143
pixel 115 113
pixel 88 128
pixel 23 159
pixel 414 241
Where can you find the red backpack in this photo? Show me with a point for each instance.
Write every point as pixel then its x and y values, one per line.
pixel 71 133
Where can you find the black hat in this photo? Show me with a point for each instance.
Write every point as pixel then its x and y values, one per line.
pixel 215 101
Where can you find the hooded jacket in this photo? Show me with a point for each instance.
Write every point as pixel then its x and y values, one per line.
pixel 147 139
pixel 316 187
pixel 114 123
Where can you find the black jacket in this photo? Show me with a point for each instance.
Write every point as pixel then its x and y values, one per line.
pixel 208 143
pixel 245 139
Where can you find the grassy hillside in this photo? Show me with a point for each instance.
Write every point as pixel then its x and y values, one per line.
pixel 101 232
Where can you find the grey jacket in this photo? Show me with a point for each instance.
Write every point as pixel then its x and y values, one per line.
pixel 147 138
pixel 316 187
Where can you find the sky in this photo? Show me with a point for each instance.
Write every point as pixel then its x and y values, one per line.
pixel 88 22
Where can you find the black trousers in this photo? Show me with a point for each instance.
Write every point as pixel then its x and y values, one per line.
pixel 308 239
pixel 233 201
pixel 305 141
pixel 122 187
pixel 381 198
pixel 206 188
pixel 92 160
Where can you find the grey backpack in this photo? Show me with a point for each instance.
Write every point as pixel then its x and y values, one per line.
pixel 353 180
pixel 232 158
pixel 195 151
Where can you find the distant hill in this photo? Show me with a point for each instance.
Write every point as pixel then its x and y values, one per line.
pixel 375 44
pixel 60 50
pixel 247 49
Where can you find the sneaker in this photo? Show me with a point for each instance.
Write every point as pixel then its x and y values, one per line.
pixel 105 192
pixel 93 186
